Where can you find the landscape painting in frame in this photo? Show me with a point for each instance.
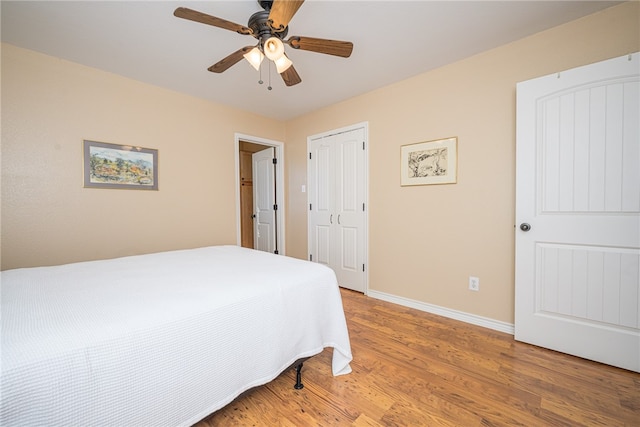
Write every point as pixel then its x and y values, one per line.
pixel 120 166
pixel 431 162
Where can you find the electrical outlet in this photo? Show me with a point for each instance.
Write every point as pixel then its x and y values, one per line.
pixel 474 283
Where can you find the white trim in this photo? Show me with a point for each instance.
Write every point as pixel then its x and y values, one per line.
pixel 473 319
pixel 279 146
pixel 349 128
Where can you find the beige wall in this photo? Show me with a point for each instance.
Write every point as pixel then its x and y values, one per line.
pixel 424 242
pixel 49 106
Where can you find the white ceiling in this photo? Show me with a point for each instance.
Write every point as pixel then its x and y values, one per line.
pixel 393 40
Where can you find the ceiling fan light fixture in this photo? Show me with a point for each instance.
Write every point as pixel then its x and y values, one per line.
pixel 270 27
pixel 282 64
pixel 273 48
pixel 254 57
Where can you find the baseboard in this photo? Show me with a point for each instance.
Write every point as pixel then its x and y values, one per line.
pixel 485 322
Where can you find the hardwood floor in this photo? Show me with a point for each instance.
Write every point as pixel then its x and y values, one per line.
pixel 412 368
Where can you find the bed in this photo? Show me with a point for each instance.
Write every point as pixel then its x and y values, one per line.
pixel 162 339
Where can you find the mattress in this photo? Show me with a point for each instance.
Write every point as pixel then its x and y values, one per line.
pixel 162 339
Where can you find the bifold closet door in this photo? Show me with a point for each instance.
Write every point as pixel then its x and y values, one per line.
pixel 336 194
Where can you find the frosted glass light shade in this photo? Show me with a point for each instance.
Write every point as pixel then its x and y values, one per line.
pixel 283 63
pixel 254 57
pixel 273 48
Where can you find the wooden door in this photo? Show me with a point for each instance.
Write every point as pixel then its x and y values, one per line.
pixel 246 199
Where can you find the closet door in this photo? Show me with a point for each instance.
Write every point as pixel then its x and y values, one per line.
pixel 321 183
pixel 337 182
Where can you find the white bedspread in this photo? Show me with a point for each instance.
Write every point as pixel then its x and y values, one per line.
pixel 162 339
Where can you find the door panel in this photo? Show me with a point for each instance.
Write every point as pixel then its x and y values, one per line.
pixel 350 251
pixel 589 283
pixel 324 179
pixel 583 160
pixel 578 186
pixel 348 179
pixel 322 248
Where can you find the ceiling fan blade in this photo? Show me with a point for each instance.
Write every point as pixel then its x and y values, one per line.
pixel 330 47
pixel 225 63
pixel 290 76
pixel 281 13
pixel 194 15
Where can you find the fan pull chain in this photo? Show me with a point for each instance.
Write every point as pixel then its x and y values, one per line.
pixel 269 87
pixel 260 71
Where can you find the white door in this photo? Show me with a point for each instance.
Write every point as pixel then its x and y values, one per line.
pixel 337 220
pixel 578 212
pixel 264 201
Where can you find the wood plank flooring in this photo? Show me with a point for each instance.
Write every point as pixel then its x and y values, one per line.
pixel 412 368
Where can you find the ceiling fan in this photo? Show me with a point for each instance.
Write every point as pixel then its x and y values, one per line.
pixel 269 27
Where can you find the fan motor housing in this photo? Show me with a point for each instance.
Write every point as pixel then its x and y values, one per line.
pixel 259 24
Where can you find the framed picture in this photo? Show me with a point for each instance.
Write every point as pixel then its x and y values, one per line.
pixel 120 166
pixel 431 162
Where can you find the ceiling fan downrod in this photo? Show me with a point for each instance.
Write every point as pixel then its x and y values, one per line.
pixel 265 4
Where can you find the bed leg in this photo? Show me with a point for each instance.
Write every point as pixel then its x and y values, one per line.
pixel 299 385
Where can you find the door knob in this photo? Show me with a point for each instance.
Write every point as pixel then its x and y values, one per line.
pixel 525 227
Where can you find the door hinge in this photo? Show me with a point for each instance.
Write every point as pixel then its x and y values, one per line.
pixel 362 267
pixel 310 257
pixel 363 145
pixel 309 156
pixel 275 161
pixel 275 252
pixel 275 207
pixel 363 207
pixel 310 207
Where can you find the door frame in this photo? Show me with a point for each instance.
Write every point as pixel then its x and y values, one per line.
pixel 365 126
pixel 279 153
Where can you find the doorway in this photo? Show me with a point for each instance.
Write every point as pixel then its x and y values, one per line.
pixel 245 147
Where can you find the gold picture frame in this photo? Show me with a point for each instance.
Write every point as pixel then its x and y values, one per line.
pixel 430 162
